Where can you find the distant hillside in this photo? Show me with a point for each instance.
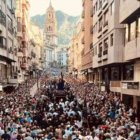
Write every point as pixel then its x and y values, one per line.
pixel 65 25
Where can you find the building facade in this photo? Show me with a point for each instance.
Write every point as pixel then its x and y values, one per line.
pixel 35 49
pixel 108 42
pixel 130 82
pixel 116 64
pixel 22 16
pixel 76 50
pixel 87 41
pixel 50 37
pixel 8 42
pixel 62 54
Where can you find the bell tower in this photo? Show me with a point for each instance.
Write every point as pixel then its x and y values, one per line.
pixel 50 36
pixel 50 20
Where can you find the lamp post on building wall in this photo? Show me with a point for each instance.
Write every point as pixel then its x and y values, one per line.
pixel 37 77
pixel 26 81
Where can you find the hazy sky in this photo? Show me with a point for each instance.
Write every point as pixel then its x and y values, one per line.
pixel 71 7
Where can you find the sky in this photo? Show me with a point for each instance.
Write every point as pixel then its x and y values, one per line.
pixel 71 7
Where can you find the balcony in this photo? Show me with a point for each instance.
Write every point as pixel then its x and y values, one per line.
pixel 131 87
pixel 20 53
pixel 13 80
pixel 2 18
pixel 131 12
pixel 132 49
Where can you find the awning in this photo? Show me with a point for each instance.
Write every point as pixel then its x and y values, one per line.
pixel 6 59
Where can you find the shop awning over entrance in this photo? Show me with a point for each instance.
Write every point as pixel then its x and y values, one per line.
pixel 6 59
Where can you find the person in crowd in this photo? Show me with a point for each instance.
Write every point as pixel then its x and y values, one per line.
pixel 85 113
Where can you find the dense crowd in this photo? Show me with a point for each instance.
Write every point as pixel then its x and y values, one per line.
pixel 85 113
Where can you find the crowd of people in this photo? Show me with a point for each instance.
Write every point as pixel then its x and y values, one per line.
pixel 85 113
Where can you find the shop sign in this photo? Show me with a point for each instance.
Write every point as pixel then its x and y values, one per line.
pixel 131 85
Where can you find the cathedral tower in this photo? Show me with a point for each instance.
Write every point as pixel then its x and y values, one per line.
pixel 50 37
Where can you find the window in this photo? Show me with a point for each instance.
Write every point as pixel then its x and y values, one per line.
pixel 93 10
pixel 115 73
pixel 112 8
pixel 2 18
pixel 127 38
pixel 10 42
pixel 95 50
pixel 100 49
pixel 96 27
pixel 106 44
pixel 100 24
pixel 106 18
pixel 18 5
pixel 138 30
pixel 111 40
pixel 128 72
pixel 9 4
pixel 10 24
pixel 10 45
pixel 105 51
pixel 100 4
pixel 96 6
pixel 132 30
pixel 49 28
pixel 19 26
pixel 2 42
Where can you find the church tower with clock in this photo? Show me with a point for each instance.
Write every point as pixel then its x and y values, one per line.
pixel 50 37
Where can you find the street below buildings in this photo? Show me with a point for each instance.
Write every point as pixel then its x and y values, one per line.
pixel 82 113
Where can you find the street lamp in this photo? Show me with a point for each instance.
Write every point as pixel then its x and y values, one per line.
pixel 37 76
pixel 26 79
